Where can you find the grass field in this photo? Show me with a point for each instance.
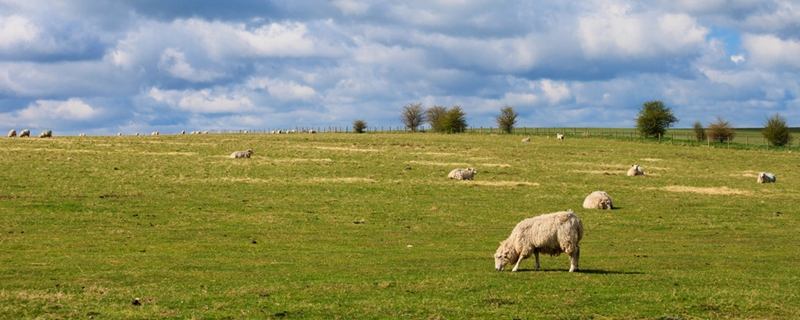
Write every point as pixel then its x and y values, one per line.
pixel 368 226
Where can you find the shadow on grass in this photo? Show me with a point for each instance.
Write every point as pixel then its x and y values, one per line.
pixel 589 271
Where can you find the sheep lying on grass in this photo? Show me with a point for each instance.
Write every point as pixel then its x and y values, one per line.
pixel 528 139
pixel 635 170
pixel 25 133
pixel 12 133
pixel 560 136
pixel 462 174
pixel 598 200
pixel 242 154
pixel 155 133
pixel 551 233
pixel 766 177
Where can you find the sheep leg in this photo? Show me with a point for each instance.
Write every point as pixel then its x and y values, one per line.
pixel 536 254
pixel 573 260
pixel 516 266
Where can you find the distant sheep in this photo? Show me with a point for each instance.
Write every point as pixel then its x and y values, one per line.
pixel 155 133
pixel 119 134
pixel 136 134
pixel 12 133
pixel 46 134
pixel 205 132
pixel 551 233
pixel 242 154
pixel 311 131
pixel 766 177
pixel 560 136
pixel 598 200
pixel 25 133
pixel 462 174
pixel 635 170
pixel 82 135
pixel 528 139
pixel 183 131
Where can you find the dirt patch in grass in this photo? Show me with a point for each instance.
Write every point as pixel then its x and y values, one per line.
pixel 348 149
pixel 434 163
pixel 501 183
pixel 712 191
pixel 650 159
pixel 303 160
pixel 496 165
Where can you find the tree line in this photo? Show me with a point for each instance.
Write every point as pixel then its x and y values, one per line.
pixel 653 120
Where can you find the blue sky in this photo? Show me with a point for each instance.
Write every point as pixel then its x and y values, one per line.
pixel 103 67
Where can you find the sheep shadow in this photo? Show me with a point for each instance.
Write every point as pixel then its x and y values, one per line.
pixel 588 271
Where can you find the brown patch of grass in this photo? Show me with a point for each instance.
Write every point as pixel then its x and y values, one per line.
pixel 712 191
pixel 501 183
pixel 348 149
pixel 434 163
pixel 497 165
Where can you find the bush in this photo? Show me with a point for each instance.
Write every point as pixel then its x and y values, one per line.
pixel 455 120
pixel 720 131
pixel 776 131
pixel 412 115
pixel 699 131
pixel 654 119
pixel 436 116
pixel 507 119
pixel 359 126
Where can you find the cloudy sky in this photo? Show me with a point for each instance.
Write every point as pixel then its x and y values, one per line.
pixel 108 66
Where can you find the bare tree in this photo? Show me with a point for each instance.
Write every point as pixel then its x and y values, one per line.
pixel 412 115
pixel 507 119
pixel 436 117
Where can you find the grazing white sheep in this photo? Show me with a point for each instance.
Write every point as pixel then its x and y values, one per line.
pixel 311 131
pixel 25 133
pixel 766 177
pixel 242 154
pixel 598 200
pixel 560 136
pixel 119 134
pixel 462 174
pixel 155 133
pixel 551 233
pixel 528 139
pixel 12 133
pixel 183 131
pixel 46 134
pixel 205 132
pixel 635 170
pixel 136 134
pixel 82 135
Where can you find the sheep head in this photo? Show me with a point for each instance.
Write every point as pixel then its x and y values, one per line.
pixel 505 254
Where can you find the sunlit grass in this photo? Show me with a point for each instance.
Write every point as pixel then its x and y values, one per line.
pixel 368 226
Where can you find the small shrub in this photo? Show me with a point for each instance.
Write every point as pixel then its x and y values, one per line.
pixel 359 126
pixel 699 131
pixel 507 119
pixel 776 131
pixel 720 131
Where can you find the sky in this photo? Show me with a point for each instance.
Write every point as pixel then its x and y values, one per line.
pixel 106 66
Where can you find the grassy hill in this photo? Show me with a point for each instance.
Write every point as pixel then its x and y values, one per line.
pixel 368 226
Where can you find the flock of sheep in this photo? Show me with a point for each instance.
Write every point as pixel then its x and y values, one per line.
pixel 552 233
pixel 558 232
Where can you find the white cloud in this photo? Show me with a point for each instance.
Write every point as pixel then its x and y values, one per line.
pixel 16 30
pixel 351 7
pixel 770 51
pixel 174 62
pixel 202 101
pixel 282 90
pixel 619 31
pixel 737 59
pixel 47 112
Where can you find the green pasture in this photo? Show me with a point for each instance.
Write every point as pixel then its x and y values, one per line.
pixel 343 226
